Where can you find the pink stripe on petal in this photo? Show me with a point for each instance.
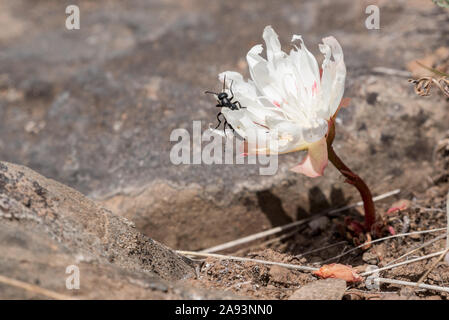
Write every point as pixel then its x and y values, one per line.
pixel 259 124
pixel 314 88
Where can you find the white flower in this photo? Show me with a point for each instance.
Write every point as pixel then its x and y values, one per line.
pixel 288 100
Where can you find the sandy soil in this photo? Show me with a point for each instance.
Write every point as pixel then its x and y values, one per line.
pixel 420 212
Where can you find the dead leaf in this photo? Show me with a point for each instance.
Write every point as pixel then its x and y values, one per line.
pixel 338 271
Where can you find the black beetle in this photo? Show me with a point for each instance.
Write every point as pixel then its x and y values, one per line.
pixel 224 101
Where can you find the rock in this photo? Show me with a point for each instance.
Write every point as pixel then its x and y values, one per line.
pixel 408 293
pixel 393 296
pixel 94 108
pixel 280 274
pixel 325 289
pixel 370 258
pixel 33 257
pixel 34 202
pixel 46 227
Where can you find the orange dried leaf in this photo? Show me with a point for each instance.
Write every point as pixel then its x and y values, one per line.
pixel 338 271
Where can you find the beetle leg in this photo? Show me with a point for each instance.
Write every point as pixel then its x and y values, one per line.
pixel 240 106
pixel 227 124
pixel 224 127
pixel 219 121
pixel 230 89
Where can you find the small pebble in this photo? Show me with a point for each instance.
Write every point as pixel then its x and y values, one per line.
pixel 326 289
pixel 370 258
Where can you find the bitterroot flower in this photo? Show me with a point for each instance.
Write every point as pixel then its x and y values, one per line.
pixel 288 99
pixel 290 104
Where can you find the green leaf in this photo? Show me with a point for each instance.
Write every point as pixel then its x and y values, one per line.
pixel 442 3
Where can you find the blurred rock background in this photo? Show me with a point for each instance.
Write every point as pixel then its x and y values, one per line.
pixel 94 108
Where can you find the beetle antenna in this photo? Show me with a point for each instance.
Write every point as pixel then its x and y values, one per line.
pixel 210 92
pixel 224 83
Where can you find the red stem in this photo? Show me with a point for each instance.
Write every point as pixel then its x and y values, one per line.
pixel 352 178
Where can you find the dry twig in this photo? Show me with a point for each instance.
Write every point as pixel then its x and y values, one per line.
pixel 382 239
pixel 224 257
pixel 425 244
pixel 321 249
pixel 423 85
pixel 412 284
pixel 392 72
pixel 447 220
pixel 367 273
pixel 424 276
pixel 34 289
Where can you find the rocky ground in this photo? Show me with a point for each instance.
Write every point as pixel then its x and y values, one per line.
pixel 47 227
pixel 94 108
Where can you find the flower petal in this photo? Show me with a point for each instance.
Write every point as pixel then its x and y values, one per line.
pixel 287 103
pixel 253 56
pixel 333 77
pixel 263 74
pixel 246 93
pixel 239 120
pixel 316 160
pixel 238 84
pixel 273 46
pixel 306 68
